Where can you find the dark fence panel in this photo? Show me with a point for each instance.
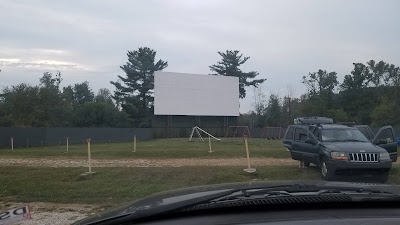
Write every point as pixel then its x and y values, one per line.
pixel 100 134
pixel 184 132
pixel 23 137
pixel 256 132
pixel 29 137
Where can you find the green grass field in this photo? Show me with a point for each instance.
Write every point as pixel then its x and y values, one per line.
pixel 159 148
pixel 111 186
pixel 116 185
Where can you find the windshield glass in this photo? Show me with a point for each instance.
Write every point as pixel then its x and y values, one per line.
pixel 343 135
pixel 106 102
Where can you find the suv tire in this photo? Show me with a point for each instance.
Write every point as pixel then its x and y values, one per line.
pixel 326 171
pixel 307 164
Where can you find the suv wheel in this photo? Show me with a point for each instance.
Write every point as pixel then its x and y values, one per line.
pixel 307 164
pixel 326 171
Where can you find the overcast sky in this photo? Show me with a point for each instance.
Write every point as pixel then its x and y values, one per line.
pixel 88 40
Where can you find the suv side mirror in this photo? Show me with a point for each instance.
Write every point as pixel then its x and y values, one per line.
pixel 381 142
pixel 310 141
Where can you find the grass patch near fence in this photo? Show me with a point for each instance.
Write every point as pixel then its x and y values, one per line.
pixel 112 186
pixel 160 148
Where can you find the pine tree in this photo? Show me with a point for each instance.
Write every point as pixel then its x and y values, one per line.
pixel 135 90
pixel 229 66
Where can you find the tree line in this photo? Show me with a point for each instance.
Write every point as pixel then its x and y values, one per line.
pixel 369 94
pixel 48 105
pixel 130 105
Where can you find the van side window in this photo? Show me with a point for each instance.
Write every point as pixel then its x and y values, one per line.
pixel 300 135
pixel 289 134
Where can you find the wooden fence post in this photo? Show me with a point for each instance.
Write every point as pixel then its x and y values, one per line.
pixel 67 143
pixel 134 143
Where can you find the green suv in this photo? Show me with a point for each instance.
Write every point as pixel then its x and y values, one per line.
pixel 340 149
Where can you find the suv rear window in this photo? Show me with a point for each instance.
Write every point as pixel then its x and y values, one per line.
pixel 289 133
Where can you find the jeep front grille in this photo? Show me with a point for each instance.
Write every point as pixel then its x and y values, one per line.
pixel 363 157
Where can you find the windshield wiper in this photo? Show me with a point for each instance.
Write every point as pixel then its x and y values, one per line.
pixel 247 194
pixel 298 190
pixel 343 140
pixel 353 140
pixel 331 140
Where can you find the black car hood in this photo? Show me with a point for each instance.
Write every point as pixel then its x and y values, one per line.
pixel 353 147
pixel 160 200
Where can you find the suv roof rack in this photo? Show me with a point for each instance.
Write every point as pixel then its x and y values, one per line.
pixel 313 120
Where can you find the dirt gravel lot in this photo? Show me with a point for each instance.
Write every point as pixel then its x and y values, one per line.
pixel 62 162
pixel 51 213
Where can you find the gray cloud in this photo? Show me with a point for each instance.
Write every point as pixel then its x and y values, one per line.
pixel 88 40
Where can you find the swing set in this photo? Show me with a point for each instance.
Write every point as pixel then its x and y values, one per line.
pixel 273 133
